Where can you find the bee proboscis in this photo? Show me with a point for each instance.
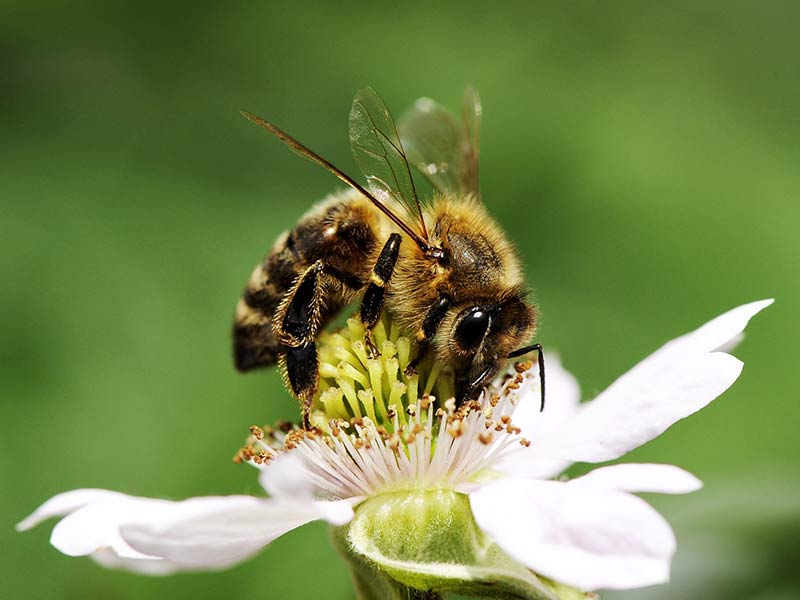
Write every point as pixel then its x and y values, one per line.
pixel 441 266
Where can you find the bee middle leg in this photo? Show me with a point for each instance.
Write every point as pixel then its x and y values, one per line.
pixel 375 294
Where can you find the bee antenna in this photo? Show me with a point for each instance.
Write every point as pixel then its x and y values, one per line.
pixel 540 351
pixel 309 154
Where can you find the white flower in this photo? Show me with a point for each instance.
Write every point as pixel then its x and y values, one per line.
pixel 590 532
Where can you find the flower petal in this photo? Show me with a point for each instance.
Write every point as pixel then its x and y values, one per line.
pixel 158 536
pixel 65 503
pixel 718 332
pixel 287 476
pixel 215 532
pixel 562 402
pixel 585 537
pixel 632 477
pixel 671 384
pixel 143 566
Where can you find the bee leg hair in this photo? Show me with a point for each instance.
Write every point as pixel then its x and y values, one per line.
pixel 300 318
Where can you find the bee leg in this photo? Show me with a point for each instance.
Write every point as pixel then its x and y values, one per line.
pixel 540 352
pixel 430 324
pixel 372 302
pixel 300 317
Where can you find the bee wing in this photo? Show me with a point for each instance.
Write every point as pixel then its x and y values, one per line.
pixel 442 147
pixel 379 154
pixel 305 152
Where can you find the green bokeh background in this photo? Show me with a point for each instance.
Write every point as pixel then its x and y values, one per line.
pixel 644 156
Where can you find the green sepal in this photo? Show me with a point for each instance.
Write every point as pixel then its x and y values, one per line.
pixel 423 544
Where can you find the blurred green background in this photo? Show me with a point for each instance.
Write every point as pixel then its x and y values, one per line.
pixel 643 155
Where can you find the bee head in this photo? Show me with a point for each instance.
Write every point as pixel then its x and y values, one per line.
pixel 483 334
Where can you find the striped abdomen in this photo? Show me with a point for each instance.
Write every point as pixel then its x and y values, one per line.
pixel 337 232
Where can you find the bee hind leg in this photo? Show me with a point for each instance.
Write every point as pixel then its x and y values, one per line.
pixel 375 294
pixel 300 316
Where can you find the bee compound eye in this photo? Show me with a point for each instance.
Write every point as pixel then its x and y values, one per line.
pixel 472 327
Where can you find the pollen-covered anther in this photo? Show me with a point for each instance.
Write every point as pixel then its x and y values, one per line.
pixel 455 429
pixel 513 430
pixel 521 367
pixel 486 438
pixel 525 442
pixel 494 399
pixel 425 401
pixel 450 405
pixel 257 432
pixel 391 411
pixel 293 438
pixel 411 410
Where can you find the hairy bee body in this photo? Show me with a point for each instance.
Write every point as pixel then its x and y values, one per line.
pixel 345 234
pixel 441 267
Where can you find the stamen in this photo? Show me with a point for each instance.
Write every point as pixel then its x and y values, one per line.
pixel 376 429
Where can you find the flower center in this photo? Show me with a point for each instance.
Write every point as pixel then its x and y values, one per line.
pixel 386 389
pixel 390 422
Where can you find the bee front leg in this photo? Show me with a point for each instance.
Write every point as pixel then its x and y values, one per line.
pixel 430 324
pixel 374 296
pixel 296 328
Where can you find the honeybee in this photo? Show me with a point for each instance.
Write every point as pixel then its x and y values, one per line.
pixel 441 266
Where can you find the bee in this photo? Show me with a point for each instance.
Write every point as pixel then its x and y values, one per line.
pixel 441 266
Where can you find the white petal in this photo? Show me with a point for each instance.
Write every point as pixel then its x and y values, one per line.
pixel 95 526
pixel 563 396
pixel 286 476
pixel 143 566
pixel 215 533
pixel 671 384
pixel 718 332
pixel 562 402
pixel 65 503
pixel 588 538
pixel 632 477
pixel 158 536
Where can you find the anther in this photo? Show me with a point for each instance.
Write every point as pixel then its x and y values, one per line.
pixel 455 428
pixel 521 367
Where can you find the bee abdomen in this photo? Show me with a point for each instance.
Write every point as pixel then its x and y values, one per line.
pixel 254 342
